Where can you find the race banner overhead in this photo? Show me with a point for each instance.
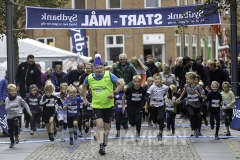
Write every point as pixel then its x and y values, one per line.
pixel 55 18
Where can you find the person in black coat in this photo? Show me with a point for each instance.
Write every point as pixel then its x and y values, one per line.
pixel 216 74
pixel 151 66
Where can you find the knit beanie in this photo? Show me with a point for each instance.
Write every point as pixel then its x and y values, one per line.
pixel 98 61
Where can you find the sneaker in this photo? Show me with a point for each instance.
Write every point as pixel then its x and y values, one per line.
pixel 34 129
pixel 164 125
pixel 32 132
pixel 200 134
pixel 116 137
pixel 92 131
pixel 71 141
pixel 173 131
pixel 102 150
pixel 11 145
pixel 216 137
pixel 51 137
pixel 38 126
pixel 168 130
pixel 95 137
pixel 75 136
pixel 159 137
pixel 80 134
pixel 55 133
pixel 60 129
pixel 43 125
pixel 137 137
pixel 192 133
pixel 86 129
pixel 212 127
pixel 196 133
pixel 155 126
pixel 228 134
pixel 17 139
pixel 150 124
pixel 206 122
pixel 62 139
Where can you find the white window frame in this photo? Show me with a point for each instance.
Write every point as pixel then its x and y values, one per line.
pixel 177 2
pixel 114 45
pixel 202 1
pixel 193 1
pixel 186 44
pixel 202 46
pixel 194 44
pixel 159 4
pixel 107 5
pixel 45 40
pixel 73 4
pixel 88 42
pixel 178 44
pixel 185 2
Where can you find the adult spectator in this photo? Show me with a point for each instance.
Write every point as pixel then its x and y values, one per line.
pixel 151 66
pixel 220 63
pixel 43 79
pixel 48 73
pixel 216 74
pixel 58 77
pixel 26 75
pixel 191 66
pixel 167 76
pixel 102 85
pixel 199 60
pixel 178 71
pixel 74 75
pixel 89 70
pixel 176 64
pixel 124 70
pixel 140 69
pixel 3 89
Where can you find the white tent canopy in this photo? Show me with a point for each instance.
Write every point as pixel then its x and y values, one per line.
pixel 41 51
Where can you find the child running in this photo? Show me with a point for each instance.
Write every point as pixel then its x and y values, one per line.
pixel 193 103
pixel 14 105
pixel 120 117
pixel 49 103
pixel 171 108
pixel 156 93
pixel 135 96
pixel 33 99
pixel 215 100
pixel 72 104
pixel 62 114
pixel 228 99
pixel 147 114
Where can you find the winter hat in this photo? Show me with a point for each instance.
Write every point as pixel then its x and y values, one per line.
pixel 98 61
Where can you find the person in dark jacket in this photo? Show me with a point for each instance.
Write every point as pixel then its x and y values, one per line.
pixel 74 75
pixel 58 77
pixel 26 75
pixel 221 64
pixel 151 66
pixel 191 66
pixel 216 74
pixel 124 70
pixel 3 89
pixel 89 70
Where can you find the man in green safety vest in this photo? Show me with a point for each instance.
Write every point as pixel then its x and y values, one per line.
pixel 102 85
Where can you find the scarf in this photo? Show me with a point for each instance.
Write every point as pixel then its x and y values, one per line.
pixel 11 98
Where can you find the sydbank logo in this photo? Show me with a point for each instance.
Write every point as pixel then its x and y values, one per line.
pixel 187 14
pixel 59 17
pixel 236 112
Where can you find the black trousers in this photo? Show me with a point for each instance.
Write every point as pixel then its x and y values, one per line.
pixel 35 119
pixel 135 116
pixel 13 130
pixel 227 114
pixel 158 114
pixel 194 117
pixel 215 115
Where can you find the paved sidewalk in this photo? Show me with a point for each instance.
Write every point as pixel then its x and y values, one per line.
pixel 179 147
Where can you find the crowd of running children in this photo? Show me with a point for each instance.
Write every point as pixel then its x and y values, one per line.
pixel 159 102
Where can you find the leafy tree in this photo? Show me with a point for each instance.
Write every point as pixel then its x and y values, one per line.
pixel 19 15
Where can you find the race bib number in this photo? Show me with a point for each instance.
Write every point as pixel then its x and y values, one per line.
pixel 170 108
pixel 215 103
pixel 158 101
pixel 193 98
pixel 136 97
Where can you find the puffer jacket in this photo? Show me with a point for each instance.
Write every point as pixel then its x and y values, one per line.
pixel 127 74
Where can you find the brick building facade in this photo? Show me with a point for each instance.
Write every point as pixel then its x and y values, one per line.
pixel 162 42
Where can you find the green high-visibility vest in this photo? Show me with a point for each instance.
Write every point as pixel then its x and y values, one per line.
pixel 101 89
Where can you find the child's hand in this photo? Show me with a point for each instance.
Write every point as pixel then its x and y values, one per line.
pixel 196 91
pixel 30 114
pixel 201 113
pixel 151 104
pixel 123 109
pixel 178 100
pixel 146 110
pixel 68 103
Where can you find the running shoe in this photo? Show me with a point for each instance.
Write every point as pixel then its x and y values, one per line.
pixel 206 122
pixel 212 127
pixel 159 137
pixel 62 139
pixel 75 135
pixel 216 137
pixel 200 134
pixel 137 137
pixel 86 129
pixel 80 134
pixel 51 137
pixel 11 145
pixel 31 132
pixel 228 134
pixel 17 139
pixel 168 129
pixel 116 137
pixel 102 150
pixel 192 134
pixel 95 137
pixel 196 133
pixel 71 141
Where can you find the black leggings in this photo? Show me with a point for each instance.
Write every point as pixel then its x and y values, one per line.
pixel 227 114
pixel 194 117
pixel 26 116
pixel 157 114
pixel 135 115
pixel 13 128
pixel 216 115
pixel 34 118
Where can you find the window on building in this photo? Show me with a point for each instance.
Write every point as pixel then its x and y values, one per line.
pixel 113 4
pixel 178 45
pixel 152 3
pixel 209 40
pixel 47 40
pixel 194 46
pixel 202 47
pixel 114 45
pixel 177 2
pixel 186 45
pixel 185 2
pixel 193 1
pixel 79 4
pixel 87 42
pixel 202 1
